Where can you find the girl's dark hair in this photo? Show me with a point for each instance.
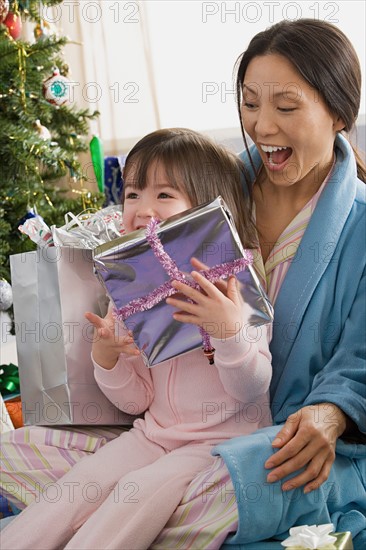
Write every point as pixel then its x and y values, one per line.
pixel 200 169
pixel 323 56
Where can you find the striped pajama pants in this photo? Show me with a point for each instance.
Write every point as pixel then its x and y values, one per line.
pixel 33 459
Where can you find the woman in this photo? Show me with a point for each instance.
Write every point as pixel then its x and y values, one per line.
pixel 303 203
pixel 298 87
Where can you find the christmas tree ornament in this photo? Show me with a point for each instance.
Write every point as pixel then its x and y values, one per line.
pixel 14 24
pixel 22 56
pixel 43 132
pixel 97 156
pixel 9 379
pixel 4 9
pixel 6 295
pixel 43 30
pixel 57 89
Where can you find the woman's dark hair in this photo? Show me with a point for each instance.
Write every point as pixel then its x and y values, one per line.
pixel 200 169
pixel 323 56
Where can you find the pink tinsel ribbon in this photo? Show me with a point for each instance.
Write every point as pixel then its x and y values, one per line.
pixel 213 275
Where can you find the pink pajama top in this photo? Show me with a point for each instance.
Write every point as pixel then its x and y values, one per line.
pixel 186 399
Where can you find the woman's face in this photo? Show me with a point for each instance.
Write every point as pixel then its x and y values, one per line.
pixel 159 199
pixel 289 123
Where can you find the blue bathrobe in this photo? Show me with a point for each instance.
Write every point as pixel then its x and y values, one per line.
pixel 318 351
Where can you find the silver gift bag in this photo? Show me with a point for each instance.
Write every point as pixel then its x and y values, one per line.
pixel 53 288
pixel 129 271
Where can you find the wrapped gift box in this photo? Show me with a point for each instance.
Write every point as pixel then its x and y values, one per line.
pixel 343 541
pixel 317 537
pixel 14 408
pixel 129 271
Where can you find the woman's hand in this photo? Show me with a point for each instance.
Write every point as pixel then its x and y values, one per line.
pixel 216 311
pixel 107 343
pixel 307 440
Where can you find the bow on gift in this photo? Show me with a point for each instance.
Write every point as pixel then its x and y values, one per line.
pixel 9 379
pixel 213 275
pixel 311 536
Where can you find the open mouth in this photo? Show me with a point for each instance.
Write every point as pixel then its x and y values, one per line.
pixel 276 156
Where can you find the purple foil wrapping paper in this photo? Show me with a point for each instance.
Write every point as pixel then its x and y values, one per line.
pixel 128 270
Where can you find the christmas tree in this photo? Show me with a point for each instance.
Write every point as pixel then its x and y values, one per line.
pixel 41 130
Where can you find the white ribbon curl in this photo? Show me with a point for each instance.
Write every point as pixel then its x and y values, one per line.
pixel 311 536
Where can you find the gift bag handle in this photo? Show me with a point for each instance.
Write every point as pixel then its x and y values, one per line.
pixel 75 219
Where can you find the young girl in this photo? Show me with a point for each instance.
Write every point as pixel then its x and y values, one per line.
pixel 123 495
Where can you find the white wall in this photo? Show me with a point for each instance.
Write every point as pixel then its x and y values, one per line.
pixel 169 63
pixel 200 41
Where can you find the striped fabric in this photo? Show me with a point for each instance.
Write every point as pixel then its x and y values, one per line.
pixel 273 272
pixel 205 516
pixel 34 458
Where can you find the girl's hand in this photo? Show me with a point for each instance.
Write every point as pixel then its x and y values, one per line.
pixel 308 439
pixel 221 285
pixel 218 313
pixel 107 344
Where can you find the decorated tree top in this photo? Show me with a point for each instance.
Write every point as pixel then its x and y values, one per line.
pixel 42 132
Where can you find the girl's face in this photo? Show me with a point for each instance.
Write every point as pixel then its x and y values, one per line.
pixel 159 199
pixel 288 122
